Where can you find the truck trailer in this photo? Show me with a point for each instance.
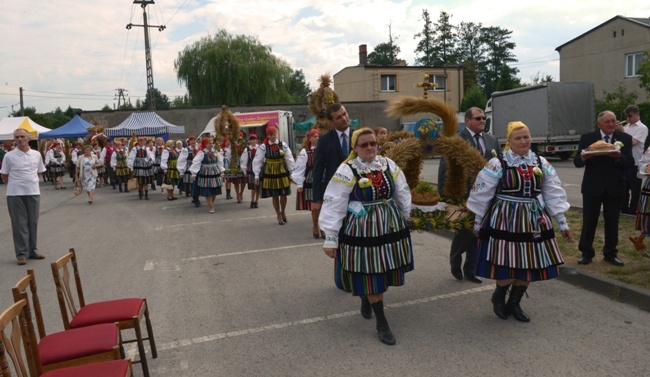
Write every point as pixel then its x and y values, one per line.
pixel 557 114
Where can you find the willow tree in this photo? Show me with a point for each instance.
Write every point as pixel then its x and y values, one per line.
pixel 227 69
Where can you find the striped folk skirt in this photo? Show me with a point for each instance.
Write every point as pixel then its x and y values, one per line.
pixel 208 180
pixel 304 198
pixel 517 241
pixel 375 250
pixel 57 170
pixel 643 208
pixel 275 179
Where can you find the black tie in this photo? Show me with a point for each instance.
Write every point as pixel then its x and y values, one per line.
pixel 344 144
pixel 478 143
pixel 607 139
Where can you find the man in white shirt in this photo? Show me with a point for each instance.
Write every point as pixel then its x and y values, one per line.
pixel 639 133
pixel 20 169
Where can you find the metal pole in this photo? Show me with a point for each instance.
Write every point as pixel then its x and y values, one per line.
pixel 147 51
pixel 22 107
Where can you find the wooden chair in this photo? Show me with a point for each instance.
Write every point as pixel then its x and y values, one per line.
pixel 127 312
pixel 80 346
pixel 17 347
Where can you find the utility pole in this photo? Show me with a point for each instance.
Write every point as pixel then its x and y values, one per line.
pixel 120 97
pixel 147 49
pixel 22 107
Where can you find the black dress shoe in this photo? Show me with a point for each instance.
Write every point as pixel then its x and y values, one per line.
pixel 457 273
pixel 473 278
pixel 584 260
pixel 614 260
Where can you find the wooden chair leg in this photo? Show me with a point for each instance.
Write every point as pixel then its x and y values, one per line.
pixel 152 341
pixel 141 351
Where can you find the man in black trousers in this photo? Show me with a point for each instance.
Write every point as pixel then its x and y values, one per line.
pixel 604 183
pixel 464 240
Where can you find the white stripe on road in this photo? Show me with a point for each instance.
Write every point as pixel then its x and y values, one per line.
pixel 150 264
pixel 250 252
pixel 162 227
pixel 283 325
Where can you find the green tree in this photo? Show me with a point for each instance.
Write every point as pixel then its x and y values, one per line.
pixel 231 69
pixel 445 37
pixel 160 100
pixel 498 51
pixel 508 79
pixel 469 51
pixel 107 108
pixel 474 96
pixel 616 101
pixel 644 72
pixel 298 87
pixel 426 45
pixel 181 101
pixel 385 54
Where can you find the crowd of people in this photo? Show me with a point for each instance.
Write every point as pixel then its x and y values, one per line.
pixel 360 202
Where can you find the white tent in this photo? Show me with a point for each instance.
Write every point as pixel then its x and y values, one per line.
pixel 144 124
pixel 9 125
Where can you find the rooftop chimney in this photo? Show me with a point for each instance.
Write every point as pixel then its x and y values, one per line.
pixel 363 55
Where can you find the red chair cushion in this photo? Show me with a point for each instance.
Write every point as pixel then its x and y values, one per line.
pixel 77 343
pixel 113 368
pixel 107 312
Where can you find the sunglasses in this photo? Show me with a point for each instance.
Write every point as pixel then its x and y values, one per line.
pixel 365 145
pixel 479 118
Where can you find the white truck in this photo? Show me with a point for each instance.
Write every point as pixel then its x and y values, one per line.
pixel 256 123
pixel 557 114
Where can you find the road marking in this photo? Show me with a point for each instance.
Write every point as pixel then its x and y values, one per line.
pixel 250 252
pixel 161 227
pixel 283 325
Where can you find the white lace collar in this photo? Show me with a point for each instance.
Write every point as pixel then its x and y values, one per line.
pixel 378 164
pixel 514 160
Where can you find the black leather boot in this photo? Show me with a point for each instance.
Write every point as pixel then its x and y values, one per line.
pixel 513 307
pixel 197 203
pixel 366 309
pixel 146 194
pixel 120 185
pixel 228 197
pixel 140 194
pixel 385 335
pixel 499 301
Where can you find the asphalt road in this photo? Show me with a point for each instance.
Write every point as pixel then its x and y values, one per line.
pixel 235 294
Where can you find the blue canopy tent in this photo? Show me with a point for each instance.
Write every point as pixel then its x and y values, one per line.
pixel 76 127
pixel 144 124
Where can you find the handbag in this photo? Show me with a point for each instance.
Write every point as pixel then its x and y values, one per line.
pixel 77 187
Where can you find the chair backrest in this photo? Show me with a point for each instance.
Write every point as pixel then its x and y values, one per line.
pixel 20 292
pixel 61 274
pixel 16 344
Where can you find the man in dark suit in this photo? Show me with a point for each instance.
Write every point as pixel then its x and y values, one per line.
pixel 464 240
pixel 604 183
pixel 330 153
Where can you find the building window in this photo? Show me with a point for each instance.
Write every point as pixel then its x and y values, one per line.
pixel 388 83
pixel 632 62
pixel 439 80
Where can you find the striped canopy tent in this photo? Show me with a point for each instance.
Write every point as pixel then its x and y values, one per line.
pixel 144 124
pixel 9 125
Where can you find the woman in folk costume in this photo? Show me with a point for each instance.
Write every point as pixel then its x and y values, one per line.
pixel 207 170
pixel 246 165
pixel 119 163
pixel 168 163
pixel 97 151
pixel 302 176
pixel 513 199
pixel 87 165
pixel 184 163
pixel 55 159
pixel 141 164
pixel 364 212
pixel 272 165
pixel 226 152
pixel 179 149
pixel 642 222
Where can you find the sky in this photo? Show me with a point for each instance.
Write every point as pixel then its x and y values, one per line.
pixel 78 53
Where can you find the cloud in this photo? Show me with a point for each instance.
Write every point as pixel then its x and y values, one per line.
pixel 84 50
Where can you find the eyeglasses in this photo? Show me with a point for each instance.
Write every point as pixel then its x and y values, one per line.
pixel 479 118
pixel 365 145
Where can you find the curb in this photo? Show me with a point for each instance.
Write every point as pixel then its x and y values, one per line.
pixel 607 287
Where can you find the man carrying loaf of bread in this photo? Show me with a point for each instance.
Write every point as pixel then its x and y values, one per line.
pixel 606 155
